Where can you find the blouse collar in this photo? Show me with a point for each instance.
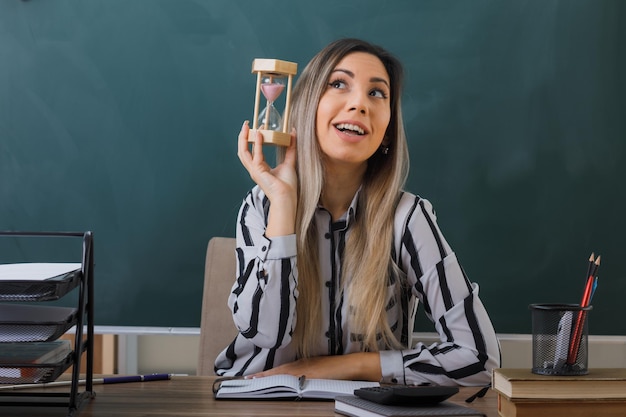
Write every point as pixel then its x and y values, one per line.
pixel 348 217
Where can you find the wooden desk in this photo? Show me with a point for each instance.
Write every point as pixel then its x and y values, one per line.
pixel 192 396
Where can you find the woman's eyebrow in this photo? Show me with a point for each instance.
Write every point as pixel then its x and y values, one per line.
pixel 373 79
pixel 379 80
pixel 345 71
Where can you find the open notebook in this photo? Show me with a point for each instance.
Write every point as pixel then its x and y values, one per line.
pixel 287 387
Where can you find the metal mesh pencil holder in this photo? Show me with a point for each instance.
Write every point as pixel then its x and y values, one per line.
pixel 559 339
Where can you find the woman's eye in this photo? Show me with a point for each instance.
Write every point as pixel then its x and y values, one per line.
pixel 337 84
pixel 378 93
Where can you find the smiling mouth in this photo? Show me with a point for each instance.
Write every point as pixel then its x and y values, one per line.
pixel 350 128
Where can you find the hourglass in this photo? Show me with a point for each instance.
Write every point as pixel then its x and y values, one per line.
pixel 271 75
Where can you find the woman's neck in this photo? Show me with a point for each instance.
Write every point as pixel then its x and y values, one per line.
pixel 340 186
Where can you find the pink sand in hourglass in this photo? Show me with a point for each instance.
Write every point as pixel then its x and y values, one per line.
pixel 271 91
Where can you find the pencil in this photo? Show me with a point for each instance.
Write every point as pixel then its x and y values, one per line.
pixel 580 320
pixel 596 265
pixel 590 266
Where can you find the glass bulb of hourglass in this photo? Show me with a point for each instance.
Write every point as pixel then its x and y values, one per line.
pixel 274 122
pixel 270 118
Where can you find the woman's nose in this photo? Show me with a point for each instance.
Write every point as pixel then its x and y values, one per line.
pixel 358 102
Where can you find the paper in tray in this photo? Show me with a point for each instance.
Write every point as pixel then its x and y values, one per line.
pixel 33 323
pixel 38 281
pixel 34 373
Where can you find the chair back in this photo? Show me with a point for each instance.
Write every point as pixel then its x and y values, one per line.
pixel 217 329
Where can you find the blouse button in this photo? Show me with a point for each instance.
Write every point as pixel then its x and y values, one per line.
pixel 327 334
pixel 264 248
pixel 394 380
pixel 327 235
pixel 328 284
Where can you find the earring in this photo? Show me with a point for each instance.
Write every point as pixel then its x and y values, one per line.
pixel 384 149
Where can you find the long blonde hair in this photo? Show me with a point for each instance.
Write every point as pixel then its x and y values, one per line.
pixel 368 261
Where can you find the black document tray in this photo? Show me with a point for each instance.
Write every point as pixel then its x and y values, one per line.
pixel 34 373
pixel 32 323
pixel 39 290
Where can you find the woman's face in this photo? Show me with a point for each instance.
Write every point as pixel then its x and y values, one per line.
pixel 354 110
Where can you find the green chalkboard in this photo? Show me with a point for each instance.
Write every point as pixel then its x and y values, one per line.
pixel 121 117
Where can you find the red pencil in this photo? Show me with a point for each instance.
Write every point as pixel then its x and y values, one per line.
pixel 580 321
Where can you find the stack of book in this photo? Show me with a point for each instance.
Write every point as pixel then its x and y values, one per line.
pixel 521 393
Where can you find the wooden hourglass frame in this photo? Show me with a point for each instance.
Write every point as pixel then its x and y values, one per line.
pixel 270 69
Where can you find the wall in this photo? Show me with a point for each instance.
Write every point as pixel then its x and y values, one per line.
pixel 121 116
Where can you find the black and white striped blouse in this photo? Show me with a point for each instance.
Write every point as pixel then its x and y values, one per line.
pixel 264 296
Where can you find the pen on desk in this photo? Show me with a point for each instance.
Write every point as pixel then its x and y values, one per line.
pixel 133 378
pixel 480 394
pixel 96 381
pixel 301 381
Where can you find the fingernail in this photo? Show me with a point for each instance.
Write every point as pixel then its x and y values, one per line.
pixel 245 123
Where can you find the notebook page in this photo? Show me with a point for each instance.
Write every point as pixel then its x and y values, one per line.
pixel 330 388
pixel 242 388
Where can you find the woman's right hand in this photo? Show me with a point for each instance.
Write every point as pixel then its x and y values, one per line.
pixel 280 184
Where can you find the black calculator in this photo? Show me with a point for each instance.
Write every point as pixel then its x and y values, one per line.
pixel 406 394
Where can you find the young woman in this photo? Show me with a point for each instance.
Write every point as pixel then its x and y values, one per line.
pixel 333 255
